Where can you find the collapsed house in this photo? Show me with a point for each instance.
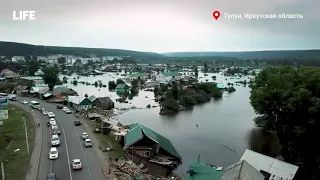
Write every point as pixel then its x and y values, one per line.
pixel 155 152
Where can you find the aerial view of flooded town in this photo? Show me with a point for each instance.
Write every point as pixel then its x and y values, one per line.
pixel 159 90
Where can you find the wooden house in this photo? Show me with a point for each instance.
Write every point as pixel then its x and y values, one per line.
pixel 79 102
pixel 122 88
pixel 143 145
pixel 104 103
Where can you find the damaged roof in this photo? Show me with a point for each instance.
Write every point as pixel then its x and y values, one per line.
pixel 136 133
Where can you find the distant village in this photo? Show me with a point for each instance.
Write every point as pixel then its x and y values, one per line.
pixel 141 145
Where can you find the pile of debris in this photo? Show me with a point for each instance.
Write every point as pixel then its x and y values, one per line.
pixel 127 170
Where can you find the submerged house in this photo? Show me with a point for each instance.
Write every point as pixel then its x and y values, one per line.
pixel 143 145
pixel 104 103
pixel 270 167
pixel 63 91
pixel 79 103
pixel 122 88
pixel 202 171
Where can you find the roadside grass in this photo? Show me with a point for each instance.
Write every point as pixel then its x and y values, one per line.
pixel 107 141
pixel 12 131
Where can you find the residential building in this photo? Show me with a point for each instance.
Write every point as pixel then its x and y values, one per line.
pixel 202 171
pixel 137 75
pixel 63 91
pixel 7 73
pixel 166 77
pixel 104 103
pixel 241 170
pixel 143 145
pixel 122 88
pixel 17 58
pixel 270 167
pixel 79 102
pixel 34 80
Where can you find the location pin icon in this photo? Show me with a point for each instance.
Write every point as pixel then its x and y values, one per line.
pixel 216 14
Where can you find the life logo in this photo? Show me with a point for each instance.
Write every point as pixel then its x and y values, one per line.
pixel 24 15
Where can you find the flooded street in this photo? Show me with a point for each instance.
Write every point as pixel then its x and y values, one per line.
pixel 224 126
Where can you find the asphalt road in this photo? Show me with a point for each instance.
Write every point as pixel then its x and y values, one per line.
pixel 71 147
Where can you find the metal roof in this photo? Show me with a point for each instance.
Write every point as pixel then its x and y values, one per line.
pixel 271 165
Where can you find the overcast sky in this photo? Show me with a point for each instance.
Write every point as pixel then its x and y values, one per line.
pixel 163 25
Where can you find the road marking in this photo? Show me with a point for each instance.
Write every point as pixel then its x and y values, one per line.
pixel 50 166
pixel 65 141
pixel 85 159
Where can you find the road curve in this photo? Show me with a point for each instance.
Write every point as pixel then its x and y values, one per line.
pixel 71 147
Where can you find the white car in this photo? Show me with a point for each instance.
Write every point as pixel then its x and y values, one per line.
pixel 44 112
pixel 64 109
pixel 51 115
pixel 53 154
pixel 53 126
pixel 84 135
pixel 87 143
pixel 76 164
pixel 68 111
pixel 52 121
pixel 24 102
pixel 55 141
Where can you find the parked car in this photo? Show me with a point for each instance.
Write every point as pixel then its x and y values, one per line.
pixel 44 112
pixel 64 108
pixel 24 102
pixel 84 135
pixel 76 164
pixel 51 115
pixel 87 143
pixel 77 123
pixel 52 176
pixel 55 141
pixel 68 111
pixel 52 121
pixel 53 154
pixel 56 130
pixel 59 106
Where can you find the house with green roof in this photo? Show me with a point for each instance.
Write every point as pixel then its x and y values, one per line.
pixel 143 145
pixel 122 88
pixel 202 171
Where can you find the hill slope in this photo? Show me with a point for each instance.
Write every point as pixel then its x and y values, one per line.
pixel 252 54
pixel 20 49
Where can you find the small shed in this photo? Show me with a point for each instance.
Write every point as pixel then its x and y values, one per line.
pixel 104 103
pixel 122 88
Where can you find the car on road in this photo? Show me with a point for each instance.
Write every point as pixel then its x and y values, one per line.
pixel 54 126
pixel 44 112
pixel 87 143
pixel 76 164
pixel 51 115
pixel 55 141
pixel 24 102
pixel 53 154
pixel 84 135
pixel 76 122
pixel 52 121
pixel 59 106
pixel 68 111
pixel 52 176
pixel 55 130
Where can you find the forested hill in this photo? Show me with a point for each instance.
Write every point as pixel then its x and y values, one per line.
pixel 20 49
pixel 252 54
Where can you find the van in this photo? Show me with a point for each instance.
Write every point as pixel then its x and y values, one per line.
pixel 55 141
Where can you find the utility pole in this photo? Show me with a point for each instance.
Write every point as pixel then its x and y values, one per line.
pixel 2 172
pixel 26 131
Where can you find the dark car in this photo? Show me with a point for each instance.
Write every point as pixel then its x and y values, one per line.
pixel 52 176
pixel 77 123
pixel 59 106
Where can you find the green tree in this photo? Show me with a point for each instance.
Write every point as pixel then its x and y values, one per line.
pixel 289 100
pixel 33 67
pixel 205 67
pixel 156 91
pixel 62 60
pixel 120 81
pixel 175 91
pixel 112 85
pixel 50 77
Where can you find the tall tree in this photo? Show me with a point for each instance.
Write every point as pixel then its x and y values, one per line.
pixel 62 60
pixel 205 67
pixel 289 100
pixel 50 77
pixel 33 67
